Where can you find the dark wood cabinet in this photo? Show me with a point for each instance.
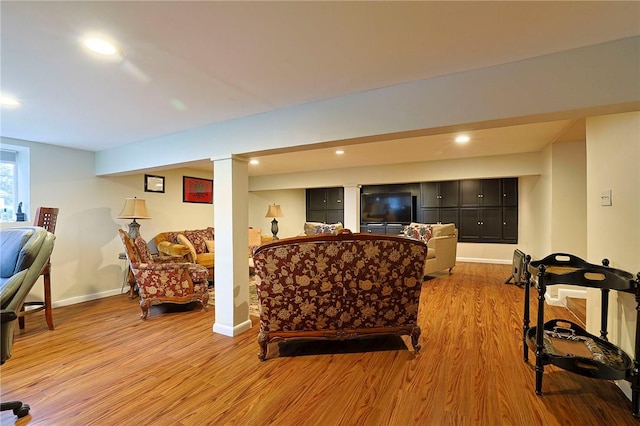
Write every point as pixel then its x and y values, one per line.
pixel 483 210
pixel 439 194
pixel 510 224
pixel 442 215
pixel 325 205
pixel 382 228
pixel 480 192
pixel 510 192
pixel 480 225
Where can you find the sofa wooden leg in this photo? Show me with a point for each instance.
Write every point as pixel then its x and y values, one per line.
pixel 144 305
pixel 415 339
pixel 205 301
pixel 262 341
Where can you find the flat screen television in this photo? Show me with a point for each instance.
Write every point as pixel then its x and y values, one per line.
pixel 387 207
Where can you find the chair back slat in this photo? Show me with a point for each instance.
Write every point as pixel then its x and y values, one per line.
pixel 47 217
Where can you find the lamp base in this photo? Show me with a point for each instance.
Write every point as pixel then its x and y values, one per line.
pixel 134 229
pixel 274 229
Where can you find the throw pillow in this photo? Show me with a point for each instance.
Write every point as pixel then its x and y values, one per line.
pixel 418 231
pixel 325 229
pixel 311 227
pixel 211 245
pixel 198 238
pixel 185 242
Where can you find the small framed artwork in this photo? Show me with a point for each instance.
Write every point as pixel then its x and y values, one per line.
pixel 153 183
pixel 197 190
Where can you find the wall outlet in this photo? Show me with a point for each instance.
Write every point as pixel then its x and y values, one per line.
pixel 605 198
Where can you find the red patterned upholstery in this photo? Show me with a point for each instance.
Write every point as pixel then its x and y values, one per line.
pixel 339 286
pixel 162 282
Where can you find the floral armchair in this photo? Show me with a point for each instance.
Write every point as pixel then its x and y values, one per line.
pixel 161 279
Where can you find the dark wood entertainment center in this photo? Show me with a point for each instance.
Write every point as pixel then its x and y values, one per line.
pixel 484 210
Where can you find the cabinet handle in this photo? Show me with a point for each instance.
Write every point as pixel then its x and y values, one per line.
pixel 479 223
pixel 338 201
pixel 504 223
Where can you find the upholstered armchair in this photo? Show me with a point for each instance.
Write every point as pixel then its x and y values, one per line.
pixel 162 279
pixel 25 252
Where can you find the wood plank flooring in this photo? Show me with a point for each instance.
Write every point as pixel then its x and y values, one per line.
pixel 104 366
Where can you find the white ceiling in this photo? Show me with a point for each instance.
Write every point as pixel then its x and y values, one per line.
pixel 189 64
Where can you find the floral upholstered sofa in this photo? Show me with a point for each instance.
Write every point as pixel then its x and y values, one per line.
pixel 194 246
pixel 198 246
pixel 339 287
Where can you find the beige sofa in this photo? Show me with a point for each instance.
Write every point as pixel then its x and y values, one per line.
pixel 442 241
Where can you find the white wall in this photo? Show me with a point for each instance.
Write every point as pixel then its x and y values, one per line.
pixel 613 156
pixel 569 198
pixel 85 261
pixel 293 204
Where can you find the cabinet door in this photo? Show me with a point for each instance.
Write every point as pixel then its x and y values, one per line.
pixel 449 216
pixel 510 192
pixel 449 193
pixel 316 198
pixel 469 225
pixel 334 198
pixel 394 228
pixel 429 215
pixel 491 224
pixel 510 224
pixel 334 216
pixel 317 216
pixel 490 193
pixel 469 193
pixel 429 195
pixel 376 228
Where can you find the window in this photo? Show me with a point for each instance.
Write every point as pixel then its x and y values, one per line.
pixel 8 183
pixel 14 181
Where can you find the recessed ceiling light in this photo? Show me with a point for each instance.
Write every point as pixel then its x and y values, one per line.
pixel 101 46
pixel 254 162
pixel 462 139
pixel 9 101
pixel 340 152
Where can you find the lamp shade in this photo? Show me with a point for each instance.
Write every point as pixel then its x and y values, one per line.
pixel 274 211
pixel 134 208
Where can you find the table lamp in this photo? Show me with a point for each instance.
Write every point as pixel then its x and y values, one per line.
pixel 274 211
pixel 134 208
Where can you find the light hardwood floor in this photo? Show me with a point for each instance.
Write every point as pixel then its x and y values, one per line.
pixel 104 366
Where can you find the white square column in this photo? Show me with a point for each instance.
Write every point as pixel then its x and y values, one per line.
pixel 231 222
pixel 351 207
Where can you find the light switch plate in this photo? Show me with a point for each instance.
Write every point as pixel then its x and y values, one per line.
pixel 605 198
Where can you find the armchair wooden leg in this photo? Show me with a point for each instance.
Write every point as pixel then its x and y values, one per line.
pixel 44 305
pixel 48 313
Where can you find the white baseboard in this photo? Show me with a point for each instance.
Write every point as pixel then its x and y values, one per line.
pixel 563 293
pixel 88 297
pixel 480 260
pixel 233 330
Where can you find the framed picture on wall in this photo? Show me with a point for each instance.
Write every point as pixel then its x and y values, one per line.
pixel 153 183
pixel 197 190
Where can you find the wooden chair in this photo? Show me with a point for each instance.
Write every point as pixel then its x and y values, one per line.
pixel 46 217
